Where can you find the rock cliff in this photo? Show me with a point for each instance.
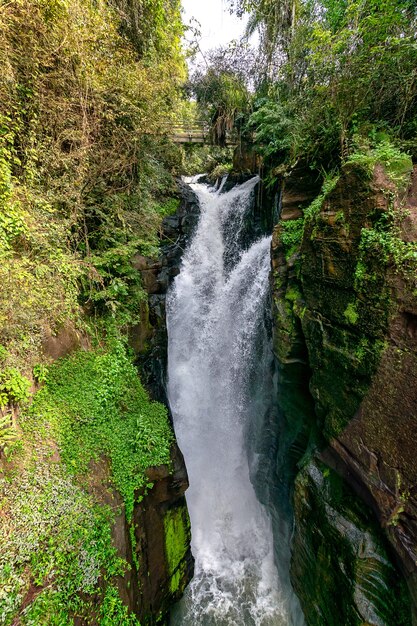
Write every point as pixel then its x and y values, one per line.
pixel 345 340
pixel 156 545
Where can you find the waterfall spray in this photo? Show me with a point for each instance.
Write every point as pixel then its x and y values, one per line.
pixel 218 351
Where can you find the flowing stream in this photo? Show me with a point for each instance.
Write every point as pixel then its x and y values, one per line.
pixel 218 355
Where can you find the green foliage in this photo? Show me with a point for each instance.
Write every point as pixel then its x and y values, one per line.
pixel 56 529
pixel 169 207
pixel 328 186
pixel 292 235
pixel 87 91
pixel 95 405
pixel 57 540
pixel 113 612
pixel 40 372
pixel 201 158
pixel 331 72
pixel 112 285
pixel 8 433
pixel 85 166
pixel 272 128
pixel 383 245
pixel 397 164
pixel 220 171
pixel 14 387
pixel 153 27
pixel 221 88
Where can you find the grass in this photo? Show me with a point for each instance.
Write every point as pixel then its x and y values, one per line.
pixel 397 164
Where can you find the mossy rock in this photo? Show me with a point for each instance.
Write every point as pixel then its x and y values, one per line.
pixel 177 544
pixel 341 567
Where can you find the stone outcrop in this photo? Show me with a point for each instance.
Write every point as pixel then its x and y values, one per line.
pixel 156 544
pixel 345 339
pixel 162 540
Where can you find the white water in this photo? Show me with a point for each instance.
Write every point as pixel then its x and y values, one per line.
pixel 216 350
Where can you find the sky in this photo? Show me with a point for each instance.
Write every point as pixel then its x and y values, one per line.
pixel 218 27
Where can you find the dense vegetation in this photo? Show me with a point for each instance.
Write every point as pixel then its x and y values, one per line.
pixel 87 92
pixel 58 560
pixel 329 78
pixel 333 82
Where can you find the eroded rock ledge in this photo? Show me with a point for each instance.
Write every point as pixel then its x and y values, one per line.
pixel 162 534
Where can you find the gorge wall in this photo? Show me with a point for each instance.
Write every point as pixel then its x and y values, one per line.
pixel 95 527
pixel 345 340
pixel 344 312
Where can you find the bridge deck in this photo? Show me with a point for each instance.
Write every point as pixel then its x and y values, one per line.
pixel 198 132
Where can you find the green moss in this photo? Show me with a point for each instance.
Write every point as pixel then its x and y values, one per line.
pixel 351 313
pixel 293 293
pixel 94 405
pixel 177 541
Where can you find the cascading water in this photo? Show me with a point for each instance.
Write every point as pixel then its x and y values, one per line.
pixel 217 359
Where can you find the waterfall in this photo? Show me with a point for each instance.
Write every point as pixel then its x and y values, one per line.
pixel 218 359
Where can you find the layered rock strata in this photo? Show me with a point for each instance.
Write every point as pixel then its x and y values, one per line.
pixel 345 341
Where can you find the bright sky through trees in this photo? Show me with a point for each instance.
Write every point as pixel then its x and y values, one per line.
pixel 218 27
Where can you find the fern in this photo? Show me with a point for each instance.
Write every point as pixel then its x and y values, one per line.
pixel 7 433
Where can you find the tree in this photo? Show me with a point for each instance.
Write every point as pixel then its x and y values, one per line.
pixel 222 88
pixel 336 68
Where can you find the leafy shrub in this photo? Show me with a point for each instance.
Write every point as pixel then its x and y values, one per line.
pixel 8 433
pixel 292 235
pixel 95 404
pixel 397 164
pixel 14 387
pixel 329 184
pixel 40 372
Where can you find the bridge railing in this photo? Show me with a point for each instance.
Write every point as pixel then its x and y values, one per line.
pixel 195 132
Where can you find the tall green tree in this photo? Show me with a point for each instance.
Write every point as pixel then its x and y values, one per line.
pixel 221 87
pixel 337 69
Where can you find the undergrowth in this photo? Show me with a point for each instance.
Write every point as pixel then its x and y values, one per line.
pixel 57 560
pixel 397 164
pixel 94 405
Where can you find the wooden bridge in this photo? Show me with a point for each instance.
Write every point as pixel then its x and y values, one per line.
pixel 195 132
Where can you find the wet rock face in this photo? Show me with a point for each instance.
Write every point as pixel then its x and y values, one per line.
pixel 162 541
pixel 158 547
pixel 346 353
pixel 341 558
pixel 149 339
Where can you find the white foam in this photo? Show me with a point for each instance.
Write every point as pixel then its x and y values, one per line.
pixel 215 317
